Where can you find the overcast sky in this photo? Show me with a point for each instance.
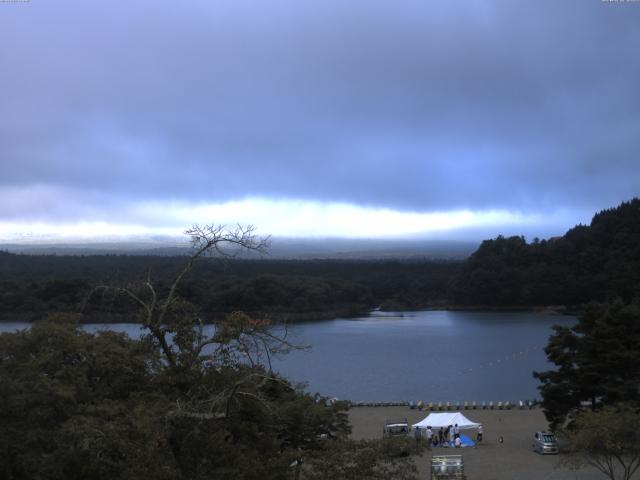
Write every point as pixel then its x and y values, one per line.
pixel 318 117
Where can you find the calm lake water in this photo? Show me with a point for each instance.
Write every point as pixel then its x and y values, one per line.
pixel 429 355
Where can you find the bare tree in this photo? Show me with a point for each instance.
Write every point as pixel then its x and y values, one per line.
pixel 176 327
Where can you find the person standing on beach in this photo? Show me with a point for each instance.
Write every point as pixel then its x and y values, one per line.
pixel 479 437
pixel 456 431
pixel 418 435
pixel 429 437
pixel 440 436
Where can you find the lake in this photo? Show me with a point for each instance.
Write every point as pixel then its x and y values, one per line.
pixel 430 355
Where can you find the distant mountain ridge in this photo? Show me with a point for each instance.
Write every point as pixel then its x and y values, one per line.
pixel 281 248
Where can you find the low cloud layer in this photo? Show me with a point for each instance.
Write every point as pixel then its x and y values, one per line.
pixel 526 107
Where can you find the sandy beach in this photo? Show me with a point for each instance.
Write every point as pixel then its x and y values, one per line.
pixel 511 460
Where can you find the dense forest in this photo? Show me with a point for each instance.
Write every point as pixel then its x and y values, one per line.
pixel 291 290
pixel 588 263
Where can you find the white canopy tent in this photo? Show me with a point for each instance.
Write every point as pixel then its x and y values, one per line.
pixel 437 420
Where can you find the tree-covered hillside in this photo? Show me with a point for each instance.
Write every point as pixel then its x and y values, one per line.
pixel 588 263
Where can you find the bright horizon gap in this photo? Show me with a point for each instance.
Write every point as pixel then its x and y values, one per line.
pixel 283 218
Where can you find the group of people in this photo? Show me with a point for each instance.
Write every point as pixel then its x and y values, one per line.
pixel 445 437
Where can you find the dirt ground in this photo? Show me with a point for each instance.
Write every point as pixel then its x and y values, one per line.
pixel 513 459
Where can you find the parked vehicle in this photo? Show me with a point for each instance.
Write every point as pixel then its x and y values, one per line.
pixel 398 427
pixel 447 467
pixel 545 443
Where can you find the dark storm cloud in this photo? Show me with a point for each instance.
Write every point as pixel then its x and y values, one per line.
pixel 411 105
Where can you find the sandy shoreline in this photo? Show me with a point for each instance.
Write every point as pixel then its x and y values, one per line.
pixel 491 460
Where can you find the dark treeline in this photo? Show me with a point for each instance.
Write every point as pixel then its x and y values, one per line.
pixel 588 263
pixel 281 289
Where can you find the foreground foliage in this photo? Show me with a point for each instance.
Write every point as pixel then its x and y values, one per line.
pixel 77 405
pixel 607 439
pixel 375 460
pixel 598 362
pixel 182 402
